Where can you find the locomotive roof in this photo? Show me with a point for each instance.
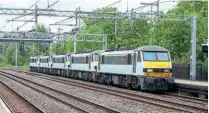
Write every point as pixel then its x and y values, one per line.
pixel 81 54
pixel 151 48
pixel 33 57
pixel 98 51
pixel 59 56
pixel 118 52
pixel 44 56
pixel 69 53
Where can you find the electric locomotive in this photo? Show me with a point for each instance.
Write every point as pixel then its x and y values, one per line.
pixel 146 68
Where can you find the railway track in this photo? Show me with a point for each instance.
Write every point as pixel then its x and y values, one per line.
pixel 26 82
pixel 9 108
pixel 7 105
pixel 154 101
pixel 181 97
pixel 141 98
pixel 14 101
pixel 187 98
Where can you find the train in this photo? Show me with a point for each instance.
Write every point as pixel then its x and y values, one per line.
pixel 146 68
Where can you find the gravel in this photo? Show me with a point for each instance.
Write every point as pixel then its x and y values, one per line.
pixel 15 102
pixel 71 101
pixel 157 96
pixel 41 101
pixel 121 104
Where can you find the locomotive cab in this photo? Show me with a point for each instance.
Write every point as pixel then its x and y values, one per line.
pixel 154 63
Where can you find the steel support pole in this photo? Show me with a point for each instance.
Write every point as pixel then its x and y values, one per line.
pixel 116 22
pixel 158 7
pixel 3 51
pixel 193 49
pixel 132 21
pixel 151 11
pixel 79 19
pixel 33 48
pixel 76 18
pixel 16 55
pixel 36 17
pixel 74 40
pixel 104 42
pixel 63 43
pixel 103 46
pixel 50 49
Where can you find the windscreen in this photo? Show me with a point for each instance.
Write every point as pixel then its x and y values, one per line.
pixel 153 56
pixel 68 57
pixel 96 57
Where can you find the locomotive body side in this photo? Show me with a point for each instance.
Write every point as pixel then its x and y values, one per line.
pixel 58 65
pixel 43 64
pixel 33 66
pixel 116 62
pixel 81 62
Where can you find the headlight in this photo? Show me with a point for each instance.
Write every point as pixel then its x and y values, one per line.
pixel 149 70
pixel 167 70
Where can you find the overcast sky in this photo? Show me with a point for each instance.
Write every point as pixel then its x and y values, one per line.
pixel 86 5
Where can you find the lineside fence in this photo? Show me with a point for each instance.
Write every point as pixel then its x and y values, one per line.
pixel 182 72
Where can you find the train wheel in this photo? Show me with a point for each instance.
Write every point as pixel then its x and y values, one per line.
pixel 106 79
pixel 135 83
pixel 97 77
pixel 123 81
pixel 90 77
pixel 101 79
pixel 75 75
pixel 104 82
pixel 128 85
pixel 71 74
pixel 61 73
pixel 83 76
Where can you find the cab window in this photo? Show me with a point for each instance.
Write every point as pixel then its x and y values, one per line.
pixel 129 59
pixel 96 57
pixel 149 56
pixel 92 57
pixel 153 56
pixel 139 57
pixel 162 56
pixel 68 57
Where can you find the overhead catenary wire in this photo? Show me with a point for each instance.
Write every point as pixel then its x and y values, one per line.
pixel 35 16
pixel 134 10
pixel 20 15
pixel 79 17
pixel 113 3
pixel 52 4
pixel 102 7
pixel 141 7
pixel 34 4
pixel 26 14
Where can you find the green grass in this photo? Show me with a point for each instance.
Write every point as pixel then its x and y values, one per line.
pixel 8 66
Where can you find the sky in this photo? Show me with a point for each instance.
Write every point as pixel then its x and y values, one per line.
pixel 71 5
